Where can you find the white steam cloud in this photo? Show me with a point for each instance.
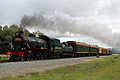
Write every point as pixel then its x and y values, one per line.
pixel 61 22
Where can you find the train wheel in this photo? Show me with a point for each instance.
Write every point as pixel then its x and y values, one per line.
pixel 11 58
pixel 14 57
pixel 29 56
pixel 72 55
pixel 43 56
pixel 22 58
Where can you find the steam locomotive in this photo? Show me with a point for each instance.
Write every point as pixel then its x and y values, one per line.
pixel 44 47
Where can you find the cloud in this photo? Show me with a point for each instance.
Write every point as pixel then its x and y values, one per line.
pixel 13 10
pixel 61 22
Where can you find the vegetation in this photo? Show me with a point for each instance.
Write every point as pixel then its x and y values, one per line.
pixel 4 57
pixel 6 35
pixel 100 69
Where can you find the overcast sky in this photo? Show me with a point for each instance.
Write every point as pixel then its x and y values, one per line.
pixel 11 11
pixel 96 11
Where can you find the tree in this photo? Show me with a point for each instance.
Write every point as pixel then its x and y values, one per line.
pixel 5 27
pixel 0 27
pixel 26 32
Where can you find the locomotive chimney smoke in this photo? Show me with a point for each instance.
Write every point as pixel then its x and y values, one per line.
pixel 61 22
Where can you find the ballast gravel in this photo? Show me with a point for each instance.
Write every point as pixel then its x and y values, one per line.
pixel 13 69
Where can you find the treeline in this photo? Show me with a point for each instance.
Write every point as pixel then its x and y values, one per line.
pixel 6 35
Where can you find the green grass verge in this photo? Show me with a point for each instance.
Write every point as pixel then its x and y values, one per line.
pixel 99 69
pixel 4 57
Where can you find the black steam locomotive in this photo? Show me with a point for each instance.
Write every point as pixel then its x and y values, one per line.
pixel 32 47
pixel 43 47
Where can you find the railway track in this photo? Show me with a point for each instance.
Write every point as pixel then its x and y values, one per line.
pixel 6 61
pixel 8 68
pixel 9 61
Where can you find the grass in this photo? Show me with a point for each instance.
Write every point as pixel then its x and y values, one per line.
pixel 99 69
pixel 4 57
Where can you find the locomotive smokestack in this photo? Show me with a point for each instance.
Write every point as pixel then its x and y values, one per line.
pixel 21 30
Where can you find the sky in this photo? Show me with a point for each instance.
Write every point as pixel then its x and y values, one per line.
pixel 12 10
pixel 95 20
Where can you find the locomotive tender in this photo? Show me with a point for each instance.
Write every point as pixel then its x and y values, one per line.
pixel 44 47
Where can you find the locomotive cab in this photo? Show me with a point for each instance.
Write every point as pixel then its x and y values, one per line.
pixel 56 46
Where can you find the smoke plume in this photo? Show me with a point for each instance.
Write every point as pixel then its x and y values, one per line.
pixel 62 23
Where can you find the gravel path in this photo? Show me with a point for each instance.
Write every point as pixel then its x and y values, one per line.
pixel 22 68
